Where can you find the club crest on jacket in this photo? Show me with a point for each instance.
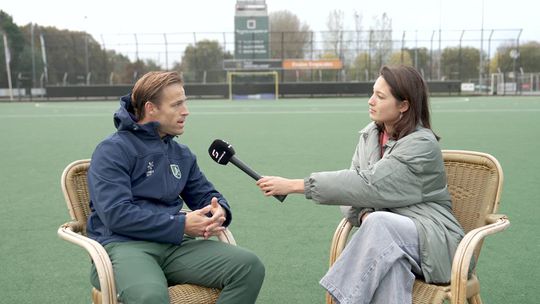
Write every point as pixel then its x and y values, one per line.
pixel 176 171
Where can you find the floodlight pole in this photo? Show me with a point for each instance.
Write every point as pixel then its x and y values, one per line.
pixel 516 78
pixel 431 57
pixel 103 46
pixel 439 57
pixel 33 55
pixel 481 69
pixel 166 52
pixel 460 55
pixel 136 47
pixel 440 31
pixel 87 67
pixel 402 46
pixel 8 68
pixel 369 52
pixel 44 57
pixel 416 49
pixel 489 44
pixel 357 27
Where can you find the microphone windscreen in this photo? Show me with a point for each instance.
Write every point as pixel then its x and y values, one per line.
pixel 221 151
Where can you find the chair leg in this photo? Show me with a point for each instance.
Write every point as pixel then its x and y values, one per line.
pixel 329 299
pixel 475 299
pixel 96 296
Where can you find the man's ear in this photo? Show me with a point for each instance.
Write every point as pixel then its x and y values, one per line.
pixel 149 108
pixel 404 106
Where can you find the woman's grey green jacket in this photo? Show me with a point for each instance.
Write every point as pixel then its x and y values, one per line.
pixel 408 180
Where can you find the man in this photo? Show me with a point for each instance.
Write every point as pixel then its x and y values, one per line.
pixel 139 179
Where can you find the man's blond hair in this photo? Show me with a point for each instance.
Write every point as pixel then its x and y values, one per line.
pixel 149 88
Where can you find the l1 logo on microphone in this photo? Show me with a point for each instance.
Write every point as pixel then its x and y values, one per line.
pixel 221 151
pixel 215 155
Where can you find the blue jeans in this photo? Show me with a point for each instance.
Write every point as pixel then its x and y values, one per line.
pixel 379 263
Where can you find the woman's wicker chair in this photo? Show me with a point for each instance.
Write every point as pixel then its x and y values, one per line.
pixel 475 183
pixel 75 188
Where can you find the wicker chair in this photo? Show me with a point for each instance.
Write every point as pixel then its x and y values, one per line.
pixel 475 183
pixel 75 189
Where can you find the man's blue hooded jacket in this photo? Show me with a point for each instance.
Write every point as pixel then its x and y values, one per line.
pixel 138 183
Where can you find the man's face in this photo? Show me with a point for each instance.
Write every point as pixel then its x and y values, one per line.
pixel 172 111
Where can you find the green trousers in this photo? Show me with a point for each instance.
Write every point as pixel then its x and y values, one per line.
pixel 144 270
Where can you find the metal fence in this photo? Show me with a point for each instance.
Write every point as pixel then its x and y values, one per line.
pixel 377 46
pixel 362 54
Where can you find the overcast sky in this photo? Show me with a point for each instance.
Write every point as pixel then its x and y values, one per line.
pixel 419 18
pixel 158 16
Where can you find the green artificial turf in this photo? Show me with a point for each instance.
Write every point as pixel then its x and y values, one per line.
pixel 291 138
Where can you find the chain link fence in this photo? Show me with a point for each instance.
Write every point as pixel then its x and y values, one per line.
pixel 470 56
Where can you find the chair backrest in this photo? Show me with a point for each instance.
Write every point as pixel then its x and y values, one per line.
pixel 75 189
pixel 475 184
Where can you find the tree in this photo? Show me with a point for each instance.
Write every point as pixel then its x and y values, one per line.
pixel 289 37
pixel 203 62
pixel 460 63
pixel 358 70
pixel 23 68
pixel 69 54
pixel 120 66
pixel 380 42
pixel 420 59
pixel 329 75
pixel 355 37
pixel 400 57
pixel 333 38
pixel 139 68
pixel 528 59
pixel 15 40
pixel 72 54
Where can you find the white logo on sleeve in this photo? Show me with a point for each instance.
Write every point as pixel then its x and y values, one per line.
pixel 176 171
pixel 150 168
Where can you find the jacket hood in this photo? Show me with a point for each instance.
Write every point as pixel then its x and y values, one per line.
pixel 124 120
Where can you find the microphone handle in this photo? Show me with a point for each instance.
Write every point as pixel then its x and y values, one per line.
pixel 256 176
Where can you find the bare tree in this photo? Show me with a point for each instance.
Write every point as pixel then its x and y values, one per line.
pixel 333 38
pixel 357 36
pixel 381 40
pixel 289 37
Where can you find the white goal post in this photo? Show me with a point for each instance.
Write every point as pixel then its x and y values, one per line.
pixel 275 76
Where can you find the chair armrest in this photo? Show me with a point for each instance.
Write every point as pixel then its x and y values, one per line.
pixel 464 253
pixel 493 218
pixel 339 240
pixel 69 232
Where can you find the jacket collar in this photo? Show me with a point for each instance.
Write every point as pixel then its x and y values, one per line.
pixel 370 138
pixel 391 143
pixel 370 134
pixel 124 120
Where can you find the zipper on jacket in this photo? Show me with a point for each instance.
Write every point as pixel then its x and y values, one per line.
pixel 164 147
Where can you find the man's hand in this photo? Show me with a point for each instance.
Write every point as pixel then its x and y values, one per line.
pixel 218 218
pixel 198 224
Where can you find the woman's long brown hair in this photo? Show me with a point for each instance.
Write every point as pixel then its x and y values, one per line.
pixel 407 84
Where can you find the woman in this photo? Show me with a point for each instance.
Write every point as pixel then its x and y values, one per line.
pixel 396 191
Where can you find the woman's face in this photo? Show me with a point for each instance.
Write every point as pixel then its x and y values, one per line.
pixel 383 106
